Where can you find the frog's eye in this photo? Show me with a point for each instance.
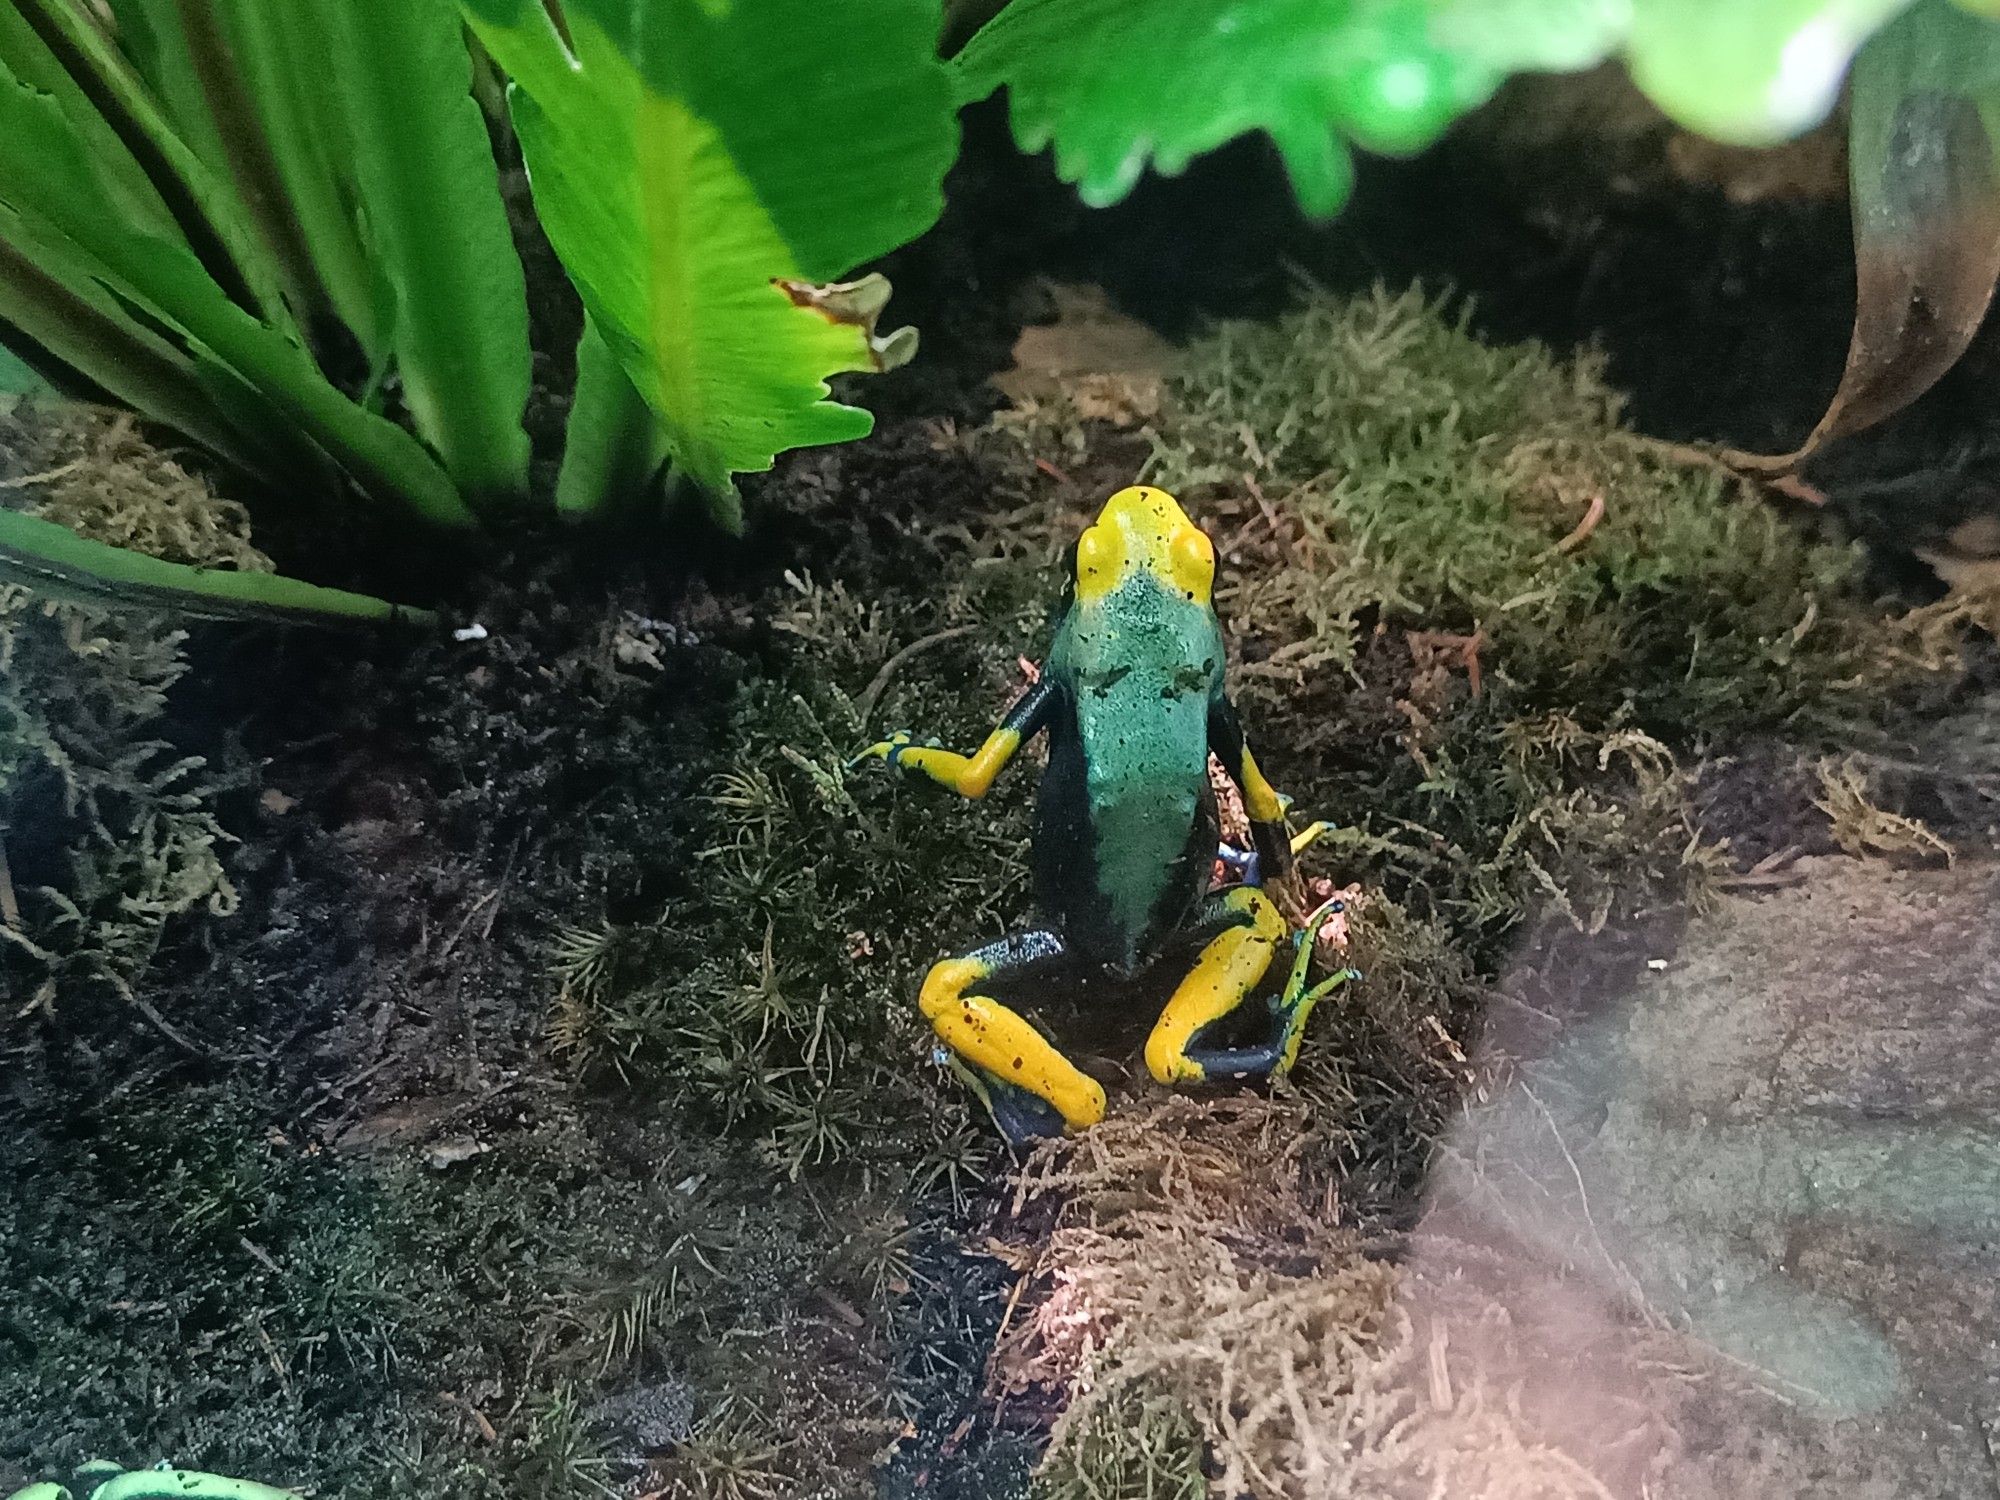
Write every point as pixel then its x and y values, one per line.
pixel 1096 558
pixel 1194 562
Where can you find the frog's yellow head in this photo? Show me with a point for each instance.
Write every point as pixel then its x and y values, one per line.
pixel 1144 531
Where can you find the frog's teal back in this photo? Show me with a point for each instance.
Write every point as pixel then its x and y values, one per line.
pixel 1127 821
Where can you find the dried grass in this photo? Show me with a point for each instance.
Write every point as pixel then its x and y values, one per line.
pixel 1180 1255
pixel 1864 828
pixel 117 823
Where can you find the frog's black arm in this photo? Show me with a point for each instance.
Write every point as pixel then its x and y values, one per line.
pixel 971 775
pixel 1260 798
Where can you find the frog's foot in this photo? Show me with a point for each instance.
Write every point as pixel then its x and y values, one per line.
pixel 1293 1005
pixel 1025 1083
pixel 1022 1117
pixel 886 750
pixel 1228 969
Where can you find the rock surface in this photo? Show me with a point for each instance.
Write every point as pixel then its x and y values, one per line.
pixel 1785 1142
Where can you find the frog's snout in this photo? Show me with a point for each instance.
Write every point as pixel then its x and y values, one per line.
pixel 1144 530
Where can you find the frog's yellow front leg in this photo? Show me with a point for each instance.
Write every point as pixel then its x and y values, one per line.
pixel 1008 1057
pixel 971 775
pixel 1261 800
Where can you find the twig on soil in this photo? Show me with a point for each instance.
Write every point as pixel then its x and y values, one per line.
pixel 47 476
pixel 1744 468
pixel 500 891
pixel 1022 1277
pixel 145 1008
pixel 492 894
pixel 259 1254
pixel 865 704
pixel 1774 869
pixel 271 1353
pixel 1582 1193
pixel 486 1428
pixel 1798 489
pixel 1584 527
pixel 337 1091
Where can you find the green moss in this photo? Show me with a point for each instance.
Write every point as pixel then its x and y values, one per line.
pixel 775 999
pixel 1137 1446
pixel 1425 480
pixel 187 1279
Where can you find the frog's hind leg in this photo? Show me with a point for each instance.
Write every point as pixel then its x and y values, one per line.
pixel 1029 1087
pixel 1246 929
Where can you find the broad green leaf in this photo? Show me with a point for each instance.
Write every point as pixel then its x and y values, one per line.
pixel 288 57
pixel 1119 85
pixel 25 53
pixel 614 448
pixel 701 166
pixel 1924 169
pixel 348 130
pixel 103 99
pixel 51 293
pixel 55 561
pixel 185 53
pixel 430 192
pixel 1749 72
pixel 1116 86
pixel 58 194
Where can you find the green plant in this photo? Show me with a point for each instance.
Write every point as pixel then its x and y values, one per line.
pixel 1319 76
pixel 1924 173
pixel 698 182
pixel 1114 84
pixel 152 204
pixel 1386 75
pixel 280 230
pixel 1138 1445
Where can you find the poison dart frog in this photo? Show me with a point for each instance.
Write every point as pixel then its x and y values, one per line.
pixel 1125 838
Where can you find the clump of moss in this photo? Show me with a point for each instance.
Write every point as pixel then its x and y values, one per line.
pixel 1412 477
pixel 109 831
pixel 1188 1297
pixel 1862 827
